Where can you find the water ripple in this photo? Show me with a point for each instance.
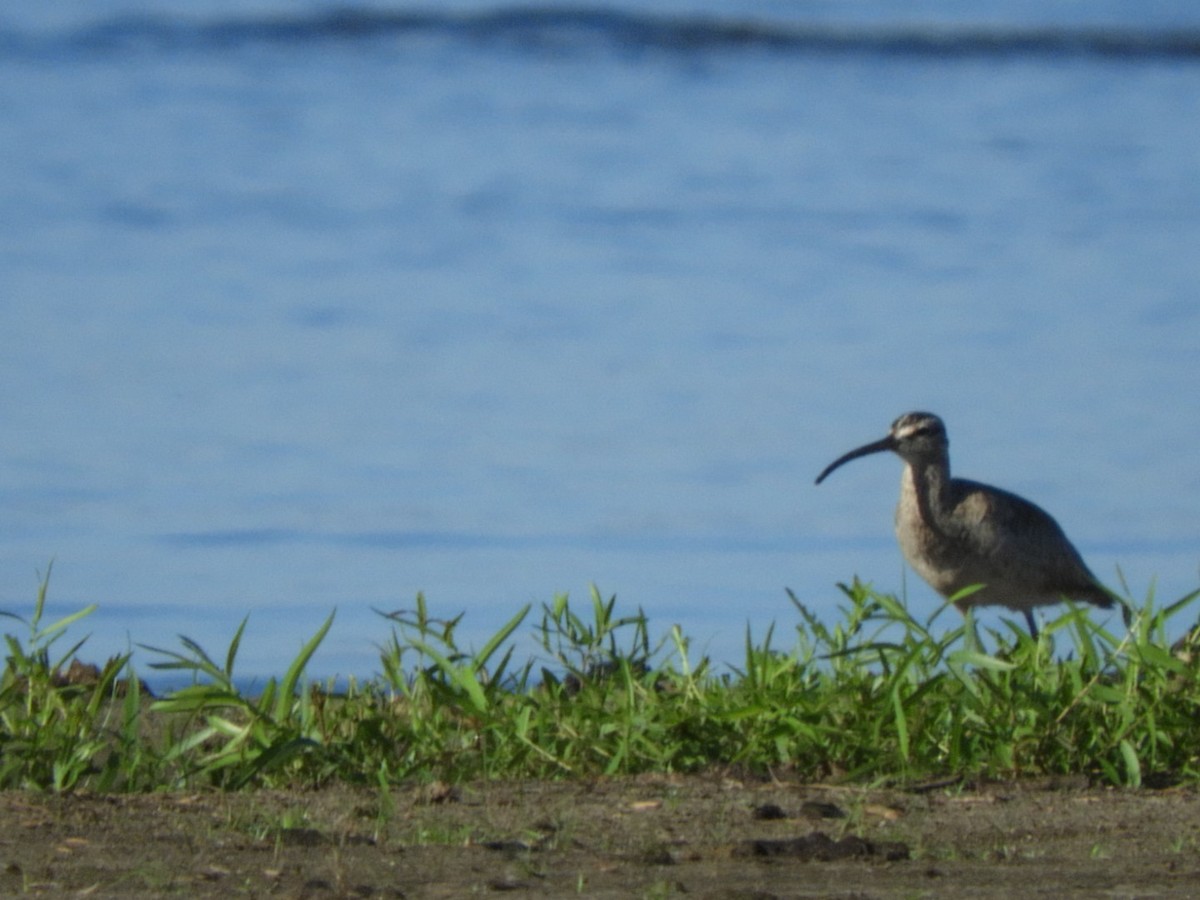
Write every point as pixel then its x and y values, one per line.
pixel 578 30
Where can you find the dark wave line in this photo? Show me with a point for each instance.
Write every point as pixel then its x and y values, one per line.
pixel 559 30
pixel 463 541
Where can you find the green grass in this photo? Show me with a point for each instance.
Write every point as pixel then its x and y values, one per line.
pixel 873 696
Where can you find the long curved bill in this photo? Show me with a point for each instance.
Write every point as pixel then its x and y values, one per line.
pixel 887 443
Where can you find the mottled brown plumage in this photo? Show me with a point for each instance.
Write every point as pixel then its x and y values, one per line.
pixel 957 533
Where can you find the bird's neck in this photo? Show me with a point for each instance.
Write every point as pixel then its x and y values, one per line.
pixel 929 484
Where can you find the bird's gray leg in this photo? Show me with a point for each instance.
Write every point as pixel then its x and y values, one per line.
pixel 1033 629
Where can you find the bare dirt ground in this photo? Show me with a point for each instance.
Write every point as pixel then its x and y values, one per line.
pixel 661 836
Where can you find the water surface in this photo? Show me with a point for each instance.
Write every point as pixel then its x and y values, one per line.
pixel 298 315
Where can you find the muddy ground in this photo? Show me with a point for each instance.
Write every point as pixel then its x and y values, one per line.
pixel 699 836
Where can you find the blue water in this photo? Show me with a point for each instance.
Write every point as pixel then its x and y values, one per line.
pixel 304 309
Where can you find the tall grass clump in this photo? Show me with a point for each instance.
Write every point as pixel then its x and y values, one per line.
pixel 881 695
pixel 56 731
pixel 232 740
pixel 874 694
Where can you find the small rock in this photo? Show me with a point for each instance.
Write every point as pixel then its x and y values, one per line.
pixel 814 809
pixel 768 812
pixel 819 847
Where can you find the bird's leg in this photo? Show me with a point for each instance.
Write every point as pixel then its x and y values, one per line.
pixel 1033 629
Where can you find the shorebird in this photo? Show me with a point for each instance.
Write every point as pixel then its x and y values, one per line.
pixel 957 533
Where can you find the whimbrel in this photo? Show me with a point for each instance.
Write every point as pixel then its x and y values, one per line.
pixel 958 533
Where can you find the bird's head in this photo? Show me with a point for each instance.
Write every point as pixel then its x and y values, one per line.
pixel 916 437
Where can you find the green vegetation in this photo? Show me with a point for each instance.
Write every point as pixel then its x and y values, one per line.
pixel 875 696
